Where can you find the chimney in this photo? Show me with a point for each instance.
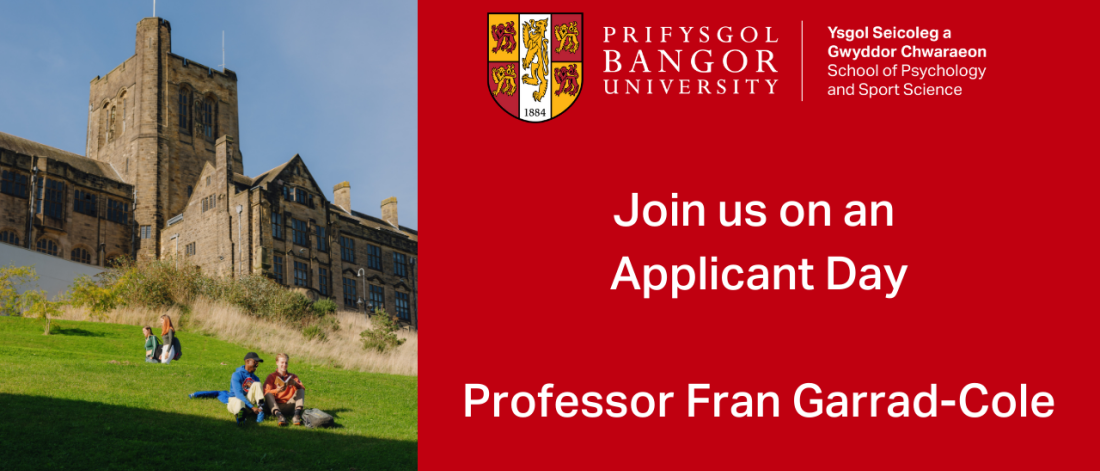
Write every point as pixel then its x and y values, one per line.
pixel 389 210
pixel 341 194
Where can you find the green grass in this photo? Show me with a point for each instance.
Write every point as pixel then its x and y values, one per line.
pixel 83 398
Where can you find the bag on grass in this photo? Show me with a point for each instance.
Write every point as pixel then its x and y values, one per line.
pixel 314 418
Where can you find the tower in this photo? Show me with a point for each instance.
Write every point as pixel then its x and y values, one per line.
pixel 156 119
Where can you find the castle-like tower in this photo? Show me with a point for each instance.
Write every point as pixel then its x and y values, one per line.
pixel 155 119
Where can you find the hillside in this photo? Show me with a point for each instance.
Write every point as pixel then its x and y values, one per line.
pixel 83 398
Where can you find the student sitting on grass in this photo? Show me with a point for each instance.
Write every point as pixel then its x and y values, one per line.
pixel 246 391
pixel 152 345
pixel 284 391
pixel 167 332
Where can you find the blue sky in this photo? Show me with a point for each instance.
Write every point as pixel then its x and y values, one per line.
pixel 332 81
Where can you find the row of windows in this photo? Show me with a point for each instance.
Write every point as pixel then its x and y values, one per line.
pixel 9 237
pixel 209 202
pixel 298 195
pixel 49 247
pixel 374 257
pixel 50 196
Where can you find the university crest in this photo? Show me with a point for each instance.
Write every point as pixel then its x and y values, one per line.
pixel 535 71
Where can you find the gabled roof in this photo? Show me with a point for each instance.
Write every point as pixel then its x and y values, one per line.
pixel 79 162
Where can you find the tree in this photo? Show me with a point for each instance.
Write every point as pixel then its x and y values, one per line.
pixel 12 277
pixel 382 337
pixel 35 304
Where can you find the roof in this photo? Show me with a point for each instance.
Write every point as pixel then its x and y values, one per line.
pixel 79 162
pixel 364 219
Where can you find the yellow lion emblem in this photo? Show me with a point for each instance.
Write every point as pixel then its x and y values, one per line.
pixel 534 39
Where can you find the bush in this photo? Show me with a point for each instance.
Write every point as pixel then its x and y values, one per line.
pixel 158 284
pixel 382 337
pixel 314 332
pixel 324 306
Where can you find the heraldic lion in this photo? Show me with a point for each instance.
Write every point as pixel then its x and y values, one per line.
pixel 534 39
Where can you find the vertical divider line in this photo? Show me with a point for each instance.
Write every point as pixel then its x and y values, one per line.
pixel 802 57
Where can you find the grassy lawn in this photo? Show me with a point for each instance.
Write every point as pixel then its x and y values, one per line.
pixel 84 398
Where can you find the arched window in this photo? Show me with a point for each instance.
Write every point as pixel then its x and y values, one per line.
pixel 189 190
pixel 111 127
pixel 208 118
pixel 123 96
pixel 47 246
pixel 9 237
pixel 185 110
pixel 82 256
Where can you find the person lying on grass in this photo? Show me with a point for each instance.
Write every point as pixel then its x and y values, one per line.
pixel 246 390
pixel 152 345
pixel 284 392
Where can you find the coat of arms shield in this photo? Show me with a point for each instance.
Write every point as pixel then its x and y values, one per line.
pixel 535 71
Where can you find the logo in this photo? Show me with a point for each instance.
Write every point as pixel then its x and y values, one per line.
pixel 535 63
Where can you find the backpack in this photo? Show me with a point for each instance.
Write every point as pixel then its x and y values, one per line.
pixel 314 418
pixel 176 345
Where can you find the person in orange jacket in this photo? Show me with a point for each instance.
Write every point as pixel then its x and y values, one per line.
pixel 284 391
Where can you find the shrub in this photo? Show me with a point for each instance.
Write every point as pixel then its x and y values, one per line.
pixel 314 332
pixel 324 306
pixel 160 283
pixel 382 336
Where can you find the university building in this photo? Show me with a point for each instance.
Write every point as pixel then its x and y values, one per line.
pixel 163 177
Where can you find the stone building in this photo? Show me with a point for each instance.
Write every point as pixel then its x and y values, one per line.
pixel 164 178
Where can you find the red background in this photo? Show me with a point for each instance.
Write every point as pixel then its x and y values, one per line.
pixel 994 213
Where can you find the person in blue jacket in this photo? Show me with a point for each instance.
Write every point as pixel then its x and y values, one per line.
pixel 246 391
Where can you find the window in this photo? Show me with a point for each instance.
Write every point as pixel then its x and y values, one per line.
pixel 301 274
pixel 277 226
pixel 322 240
pixel 189 250
pixel 47 246
pixel 124 113
pixel 301 232
pixel 350 294
pixel 117 211
pixel 288 193
pixel 377 297
pixel 347 249
pixel 146 232
pixel 190 190
pixel 207 181
pixel 13 184
pixel 210 202
pixel 111 126
pixel 278 269
pixel 374 257
pixel 324 282
pixel 399 267
pixel 51 202
pixel 82 256
pixel 9 237
pixel 402 304
pixel 84 203
pixel 208 118
pixel 303 197
pixel 184 109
